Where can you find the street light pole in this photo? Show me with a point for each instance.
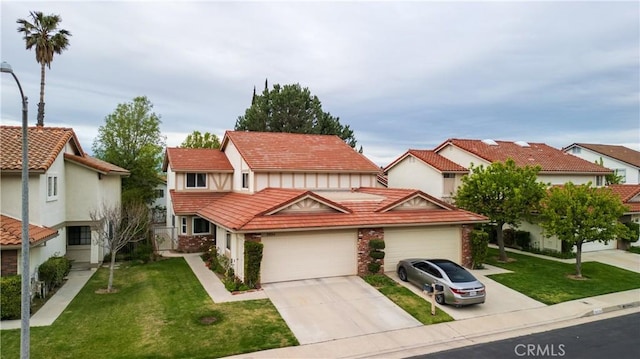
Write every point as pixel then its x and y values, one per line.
pixel 25 309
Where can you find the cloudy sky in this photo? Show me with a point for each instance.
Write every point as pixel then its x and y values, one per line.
pixel 401 74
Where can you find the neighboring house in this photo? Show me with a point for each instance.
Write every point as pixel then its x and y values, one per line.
pixel 311 200
pixel 436 172
pixel 630 195
pixel 624 161
pixel 65 185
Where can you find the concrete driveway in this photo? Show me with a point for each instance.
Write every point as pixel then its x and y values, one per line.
pixel 615 257
pixel 500 299
pixel 323 309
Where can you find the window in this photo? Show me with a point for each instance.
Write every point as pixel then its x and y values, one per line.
pixel 576 150
pixel 622 173
pixel 159 193
pixel 173 220
pixel 598 181
pixel 245 180
pixel 183 226
pixel 448 175
pixel 196 180
pixel 228 242
pixel 200 226
pixel 78 235
pixel 52 187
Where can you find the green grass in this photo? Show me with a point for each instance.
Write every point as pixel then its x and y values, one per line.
pixel 407 300
pixel 155 314
pixel 549 281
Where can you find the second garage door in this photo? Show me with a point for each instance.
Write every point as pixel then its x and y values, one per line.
pixel 303 255
pixel 421 242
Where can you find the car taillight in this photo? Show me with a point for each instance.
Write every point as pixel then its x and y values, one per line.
pixel 457 291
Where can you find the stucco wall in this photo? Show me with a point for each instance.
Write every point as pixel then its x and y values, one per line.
pixel 632 173
pixel 413 173
pixel 461 157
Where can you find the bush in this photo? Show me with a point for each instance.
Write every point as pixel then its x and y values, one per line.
pixel 479 248
pixel 53 271
pixel 523 239
pixel 10 300
pixel 376 254
pixel 509 236
pixel 374 267
pixel 252 261
pixel 551 253
pixel 143 252
pixel 376 244
pixel 634 232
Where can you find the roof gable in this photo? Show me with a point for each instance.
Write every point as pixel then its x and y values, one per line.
pixel 432 159
pixel 416 200
pixel 308 203
pixel 267 151
pixel 196 159
pixel 629 194
pixel 620 153
pixel 97 165
pixel 550 160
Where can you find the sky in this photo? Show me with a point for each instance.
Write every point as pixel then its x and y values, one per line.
pixel 402 75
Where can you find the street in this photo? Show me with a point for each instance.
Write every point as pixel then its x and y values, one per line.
pixel 608 338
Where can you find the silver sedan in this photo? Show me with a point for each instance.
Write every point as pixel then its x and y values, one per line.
pixel 460 286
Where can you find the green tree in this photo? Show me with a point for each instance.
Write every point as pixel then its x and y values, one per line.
pixel 578 214
pixel 43 33
pixel 199 140
pixel 611 178
pixel 504 192
pixel 291 108
pixel 131 139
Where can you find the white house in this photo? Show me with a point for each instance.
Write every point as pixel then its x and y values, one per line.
pixel 65 185
pixel 624 161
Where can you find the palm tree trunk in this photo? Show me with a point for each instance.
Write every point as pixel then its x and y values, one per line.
pixel 41 104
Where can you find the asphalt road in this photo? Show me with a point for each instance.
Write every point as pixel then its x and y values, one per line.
pixel 617 337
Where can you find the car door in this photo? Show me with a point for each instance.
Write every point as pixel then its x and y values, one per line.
pixel 434 274
pixel 422 274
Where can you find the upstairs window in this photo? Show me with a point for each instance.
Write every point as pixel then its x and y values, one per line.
pixel 196 180
pixel 599 181
pixel 449 175
pixel 245 180
pixel 52 187
pixel 228 241
pixel 159 193
pixel 200 226
pixel 622 173
pixel 576 150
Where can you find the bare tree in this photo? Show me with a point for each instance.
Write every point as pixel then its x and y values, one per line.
pixel 116 226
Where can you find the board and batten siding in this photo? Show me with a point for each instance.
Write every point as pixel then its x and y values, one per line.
pixel 313 180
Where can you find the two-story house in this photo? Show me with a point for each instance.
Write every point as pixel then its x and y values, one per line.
pixel 311 200
pixel 429 171
pixel 624 161
pixel 65 186
pixel 630 196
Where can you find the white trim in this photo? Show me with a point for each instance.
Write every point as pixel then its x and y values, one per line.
pixel 52 187
pixel 195 180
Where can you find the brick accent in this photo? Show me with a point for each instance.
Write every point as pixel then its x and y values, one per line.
pixel 253 237
pixel 465 236
pixel 9 262
pixel 365 235
pixel 191 244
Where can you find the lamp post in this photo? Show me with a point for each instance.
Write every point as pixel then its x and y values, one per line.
pixel 25 310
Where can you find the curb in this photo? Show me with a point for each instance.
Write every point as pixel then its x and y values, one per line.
pixel 597 311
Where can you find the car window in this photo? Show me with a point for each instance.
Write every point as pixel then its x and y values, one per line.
pixel 422 266
pixel 434 271
pixel 456 273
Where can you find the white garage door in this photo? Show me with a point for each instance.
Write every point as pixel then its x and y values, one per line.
pixel 302 255
pixel 421 242
pixel 598 246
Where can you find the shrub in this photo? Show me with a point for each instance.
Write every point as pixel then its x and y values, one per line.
pixel 523 239
pixel 10 300
pixel 479 248
pixel 374 267
pixel 376 244
pixel 252 261
pixel 376 254
pixel 634 232
pixel 54 270
pixel 509 236
pixel 143 252
pixel 551 253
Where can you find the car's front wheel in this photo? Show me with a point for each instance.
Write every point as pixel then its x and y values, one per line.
pixel 402 274
pixel 440 299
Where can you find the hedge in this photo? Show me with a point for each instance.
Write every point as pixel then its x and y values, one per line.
pixel 252 261
pixel 54 270
pixel 10 300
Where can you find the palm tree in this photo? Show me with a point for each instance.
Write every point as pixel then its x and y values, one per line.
pixel 44 34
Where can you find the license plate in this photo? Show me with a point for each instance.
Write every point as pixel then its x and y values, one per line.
pixel 472 293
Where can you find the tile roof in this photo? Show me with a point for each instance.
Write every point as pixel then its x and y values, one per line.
pixel 254 212
pixel 550 159
pixel 190 202
pixel 630 195
pixel 11 232
pixel 433 159
pixel 45 143
pixel 196 159
pixel 297 152
pixel 619 153
pixel 97 164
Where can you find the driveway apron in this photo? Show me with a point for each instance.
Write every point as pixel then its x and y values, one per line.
pixel 323 309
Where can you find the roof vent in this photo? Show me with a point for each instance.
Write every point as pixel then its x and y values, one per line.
pixel 522 144
pixel 490 142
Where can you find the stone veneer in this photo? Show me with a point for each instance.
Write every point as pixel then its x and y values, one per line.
pixel 465 235
pixel 191 244
pixel 9 260
pixel 365 235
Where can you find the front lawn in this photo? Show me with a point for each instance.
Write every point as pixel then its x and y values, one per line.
pixel 407 300
pixel 156 314
pixel 548 281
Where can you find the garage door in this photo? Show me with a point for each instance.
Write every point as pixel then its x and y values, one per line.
pixel 598 246
pixel 421 242
pixel 302 255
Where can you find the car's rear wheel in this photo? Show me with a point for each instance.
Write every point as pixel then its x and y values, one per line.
pixel 440 299
pixel 402 274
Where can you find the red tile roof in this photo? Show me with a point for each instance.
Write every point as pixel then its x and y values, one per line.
pixel 551 160
pixel 11 232
pixel 433 159
pixel 619 153
pixel 254 212
pixel 297 152
pixel 190 202
pixel 96 164
pixel 196 159
pixel 630 195
pixel 45 143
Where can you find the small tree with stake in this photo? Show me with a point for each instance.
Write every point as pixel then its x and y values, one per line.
pixel 118 225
